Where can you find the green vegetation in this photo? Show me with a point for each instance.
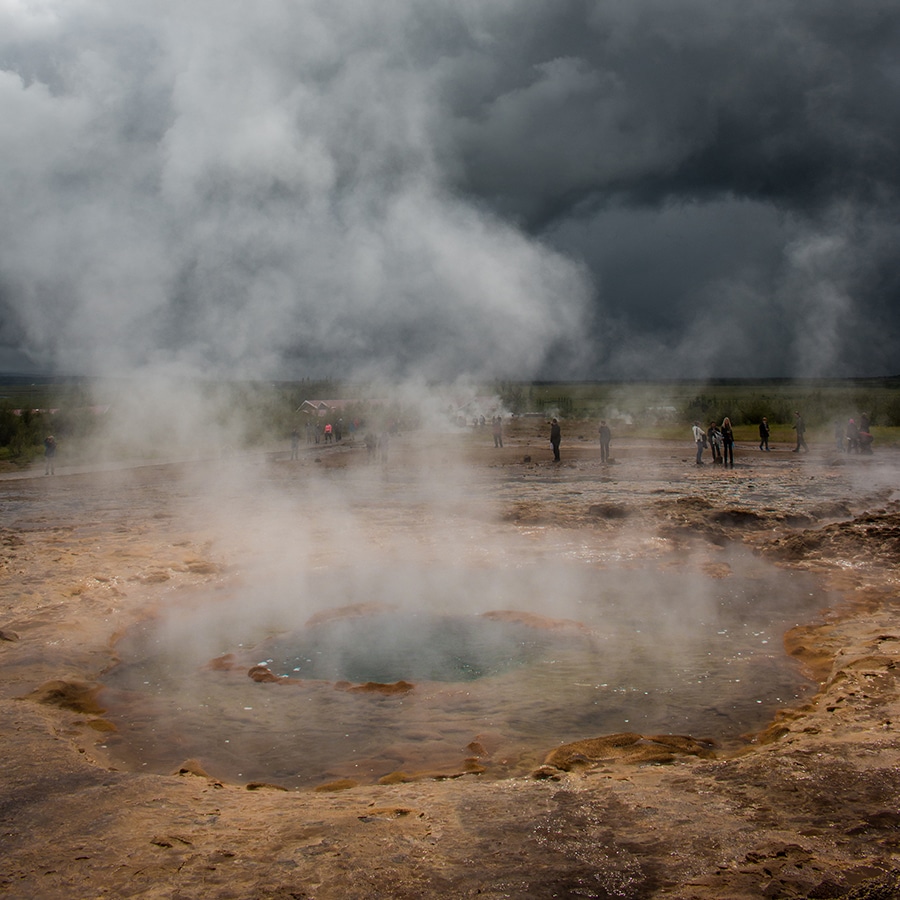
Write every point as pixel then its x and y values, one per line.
pixel 30 410
pixel 662 404
pixel 263 414
pixel 126 419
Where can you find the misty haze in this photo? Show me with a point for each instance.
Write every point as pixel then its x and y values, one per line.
pixel 688 189
pixel 319 576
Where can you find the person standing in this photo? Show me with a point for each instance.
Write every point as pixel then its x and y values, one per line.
pixel 852 437
pixel 497 426
pixel 49 454
pixel 714 439
pixel 800 428
pixel 700 440
pixel 839 435
pixel 605 438
pixel 764 434
pixel 555 438
pixel 295 444
pixel 865 434
pixel 727 443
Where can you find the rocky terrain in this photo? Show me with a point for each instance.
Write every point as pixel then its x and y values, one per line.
pixel 808 807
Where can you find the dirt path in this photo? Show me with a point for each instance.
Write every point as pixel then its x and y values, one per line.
pixel 807 809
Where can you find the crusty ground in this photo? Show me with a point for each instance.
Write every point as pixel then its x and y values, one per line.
pixel 808 808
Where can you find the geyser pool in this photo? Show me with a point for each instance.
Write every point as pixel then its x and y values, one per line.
pixel 510 661
pixel 393 645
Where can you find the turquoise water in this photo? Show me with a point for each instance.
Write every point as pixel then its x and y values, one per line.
pixel 494 659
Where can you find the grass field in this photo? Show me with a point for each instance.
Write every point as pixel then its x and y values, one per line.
pixel 263 413
pixel 745 402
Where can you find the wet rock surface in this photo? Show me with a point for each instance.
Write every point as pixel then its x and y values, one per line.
pixel 807 808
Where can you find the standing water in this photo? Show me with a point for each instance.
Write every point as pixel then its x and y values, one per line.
pixel 511 661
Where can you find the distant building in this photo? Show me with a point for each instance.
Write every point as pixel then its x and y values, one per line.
pixel 314 407
pixel 326 407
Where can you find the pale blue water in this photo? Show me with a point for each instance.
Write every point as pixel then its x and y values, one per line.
pixel 623 650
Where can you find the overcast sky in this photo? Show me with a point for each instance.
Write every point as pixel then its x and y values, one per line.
pixel 539 188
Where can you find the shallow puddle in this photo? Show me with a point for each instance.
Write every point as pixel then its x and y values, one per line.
pixel 505 664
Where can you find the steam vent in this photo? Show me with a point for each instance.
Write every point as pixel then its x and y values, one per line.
pixel 382 690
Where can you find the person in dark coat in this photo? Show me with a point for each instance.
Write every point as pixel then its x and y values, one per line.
pixel 605 438
pixel 49 454
pixel 714 439
pixel 764 434
pixel 727 443
pixel 800 428
pixel 555 437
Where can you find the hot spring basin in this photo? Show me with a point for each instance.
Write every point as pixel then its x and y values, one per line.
pixel 391 645
pixel 573 653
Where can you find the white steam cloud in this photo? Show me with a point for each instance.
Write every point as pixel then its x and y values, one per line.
pixel 233 192
pixel 562 190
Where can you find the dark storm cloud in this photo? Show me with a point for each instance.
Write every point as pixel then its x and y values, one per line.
pixel 729 172
pixel 651 102
pixel 641 188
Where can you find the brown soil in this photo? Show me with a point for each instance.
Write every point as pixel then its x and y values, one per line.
pixel 807 808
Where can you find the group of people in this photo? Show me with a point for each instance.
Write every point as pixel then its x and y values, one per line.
pixel 854 437
pixel 799 427
pixel 604 431
pixel 719 439
pixel 318 432
pixel 334 432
